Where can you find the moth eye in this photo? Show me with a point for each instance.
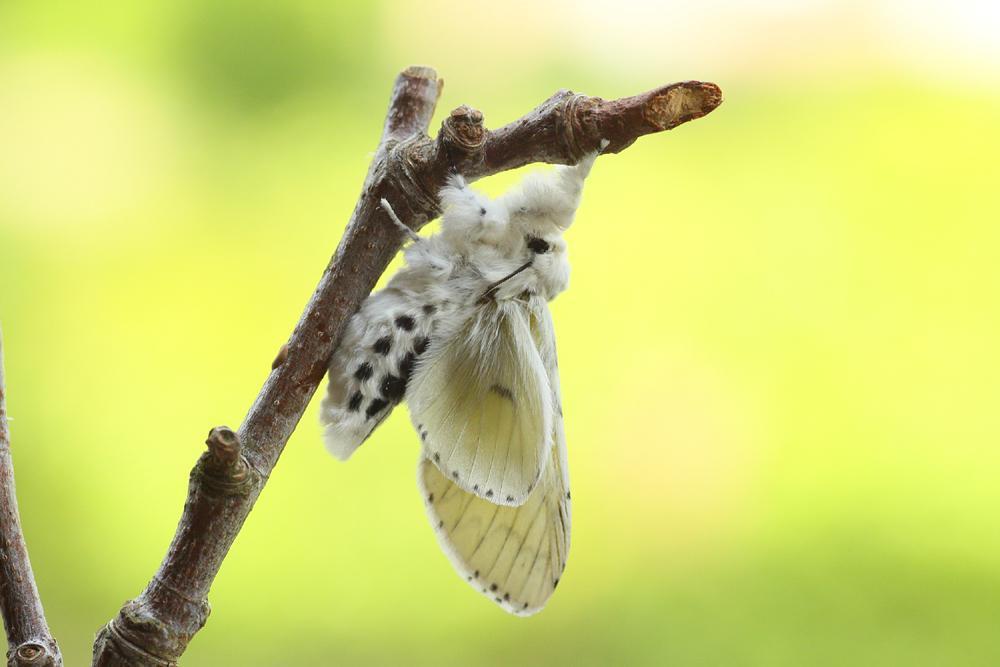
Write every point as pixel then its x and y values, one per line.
pixel 538 246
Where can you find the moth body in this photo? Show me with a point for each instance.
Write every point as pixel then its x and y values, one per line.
pixel 463 334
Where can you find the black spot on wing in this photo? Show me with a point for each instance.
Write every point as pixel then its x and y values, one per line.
pixel 393 388
pixel 406 366
pixel 375 407
pixel 510 499
pixel 355 401
pixel 421 345
pixel 364 371
pixel 404 322
pixel 429 309
pixel 489 493
pixel 383 345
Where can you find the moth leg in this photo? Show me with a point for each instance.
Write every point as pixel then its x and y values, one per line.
pixel 570 179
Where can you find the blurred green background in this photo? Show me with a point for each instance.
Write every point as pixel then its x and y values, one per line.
pixel 779 351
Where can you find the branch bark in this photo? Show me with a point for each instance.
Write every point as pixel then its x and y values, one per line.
pixel 29 642
pixel 408 169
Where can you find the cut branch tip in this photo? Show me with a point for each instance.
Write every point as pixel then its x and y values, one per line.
pixel 420 72
pixel 682 102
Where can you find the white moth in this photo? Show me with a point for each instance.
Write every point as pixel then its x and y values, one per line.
pixel 463 334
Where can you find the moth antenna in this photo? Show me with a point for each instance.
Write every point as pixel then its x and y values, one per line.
pixel 492 289
pixel 412 235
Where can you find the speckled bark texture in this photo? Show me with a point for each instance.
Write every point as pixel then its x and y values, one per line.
pixel 408 170
pixel 29 641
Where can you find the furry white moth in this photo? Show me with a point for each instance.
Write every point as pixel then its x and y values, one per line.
pixel 463 334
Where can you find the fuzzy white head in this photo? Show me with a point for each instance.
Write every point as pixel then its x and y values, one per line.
pixel 471 219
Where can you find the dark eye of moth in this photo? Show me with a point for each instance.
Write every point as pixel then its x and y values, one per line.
pixel 537 245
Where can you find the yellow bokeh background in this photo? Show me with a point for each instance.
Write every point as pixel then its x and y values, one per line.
pixel 779 349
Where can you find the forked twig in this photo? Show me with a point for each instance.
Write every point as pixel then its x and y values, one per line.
pixel 405 175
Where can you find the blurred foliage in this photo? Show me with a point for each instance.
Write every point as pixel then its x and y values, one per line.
pixel 778 353
pixel 251 56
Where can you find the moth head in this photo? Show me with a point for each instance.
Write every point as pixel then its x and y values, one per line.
pixel 470 216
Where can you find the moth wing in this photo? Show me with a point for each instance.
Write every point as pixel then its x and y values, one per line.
pixel 482 405
pixel 543 332
pixel 371 367
pixel 513 555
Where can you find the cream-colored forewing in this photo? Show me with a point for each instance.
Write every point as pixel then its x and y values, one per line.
pixel 482 404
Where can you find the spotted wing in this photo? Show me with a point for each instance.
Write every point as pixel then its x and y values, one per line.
pixel 370 369
pixel 482 405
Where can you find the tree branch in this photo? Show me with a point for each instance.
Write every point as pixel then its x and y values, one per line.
pixel 408 170
pixel 29 642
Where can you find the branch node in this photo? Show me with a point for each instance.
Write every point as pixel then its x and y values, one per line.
pixel 462 139
pixel 138 638
pixel 463 130
pixel 31 654
pixel 224 469
pixel 572 123
pixel 405 168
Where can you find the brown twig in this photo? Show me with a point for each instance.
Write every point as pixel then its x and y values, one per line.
pixel 29 641
pixel 408 170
